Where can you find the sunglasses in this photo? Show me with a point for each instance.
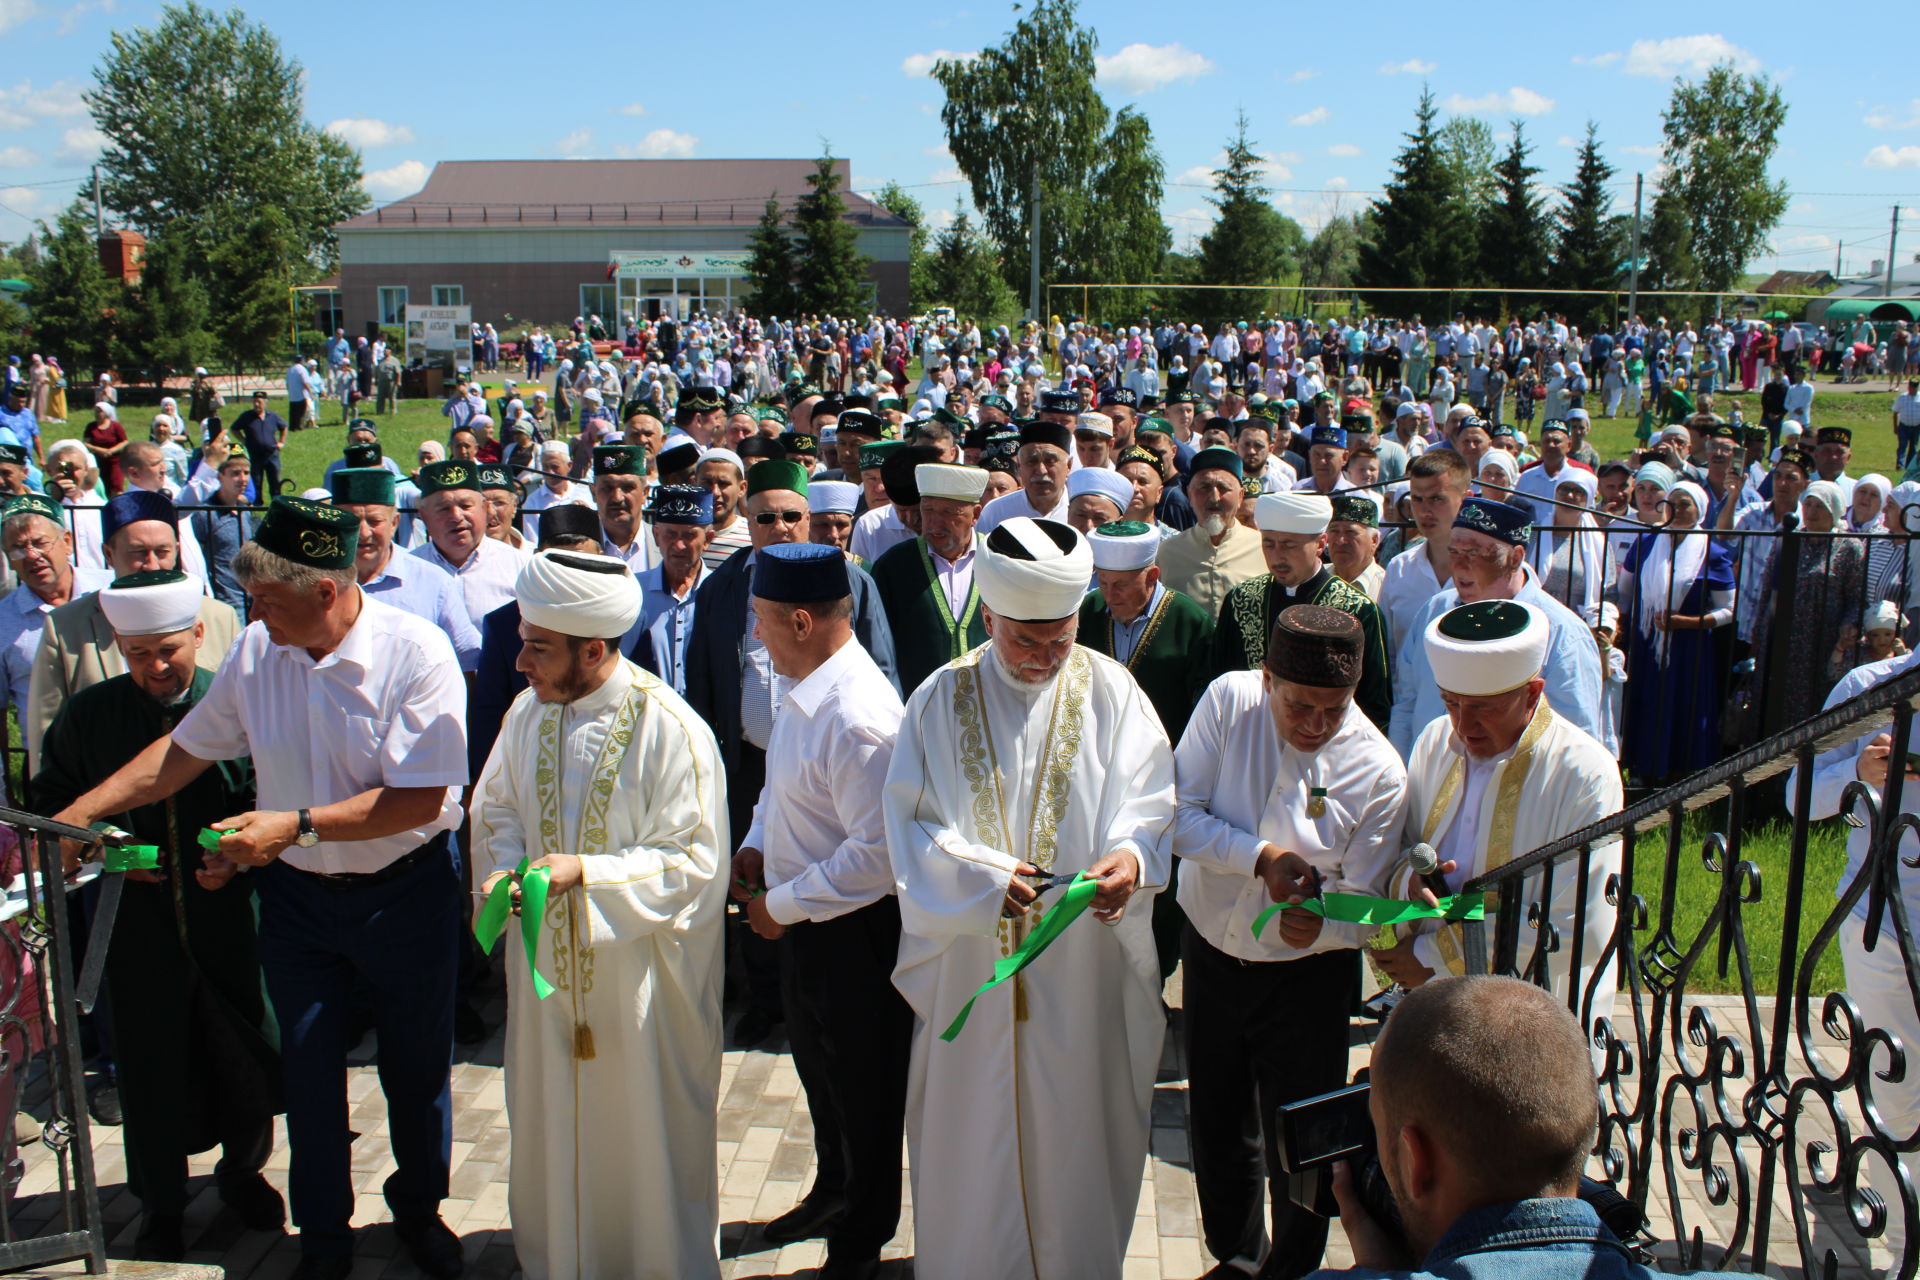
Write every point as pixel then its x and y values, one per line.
pixel 780 517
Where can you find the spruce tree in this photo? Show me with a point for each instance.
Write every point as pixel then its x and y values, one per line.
pixel 1250 242
pixel 1418 235
pixel 770 265
pixel 831 274
pixel 1516 245
pixel 1589 251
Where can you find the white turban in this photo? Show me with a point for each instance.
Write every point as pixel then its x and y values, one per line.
pixel 579 594
pixel 158 608
pixel 1033 570
pixel 1488 647
pixel 1299 513
pixel 837 497
pixel 1102 483
pixel 944 480
pixel 1124 552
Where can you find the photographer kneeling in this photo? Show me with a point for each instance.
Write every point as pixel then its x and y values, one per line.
pixel 1484 1106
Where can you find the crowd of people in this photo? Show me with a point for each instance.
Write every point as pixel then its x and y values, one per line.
pixel 697 682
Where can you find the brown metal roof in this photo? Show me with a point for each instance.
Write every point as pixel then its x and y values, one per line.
pixel 610 192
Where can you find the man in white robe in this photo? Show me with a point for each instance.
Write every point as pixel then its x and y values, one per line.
pixel 609 782
pixel 1029 756
pixel 1499 775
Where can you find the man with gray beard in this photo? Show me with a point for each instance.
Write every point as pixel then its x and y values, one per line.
pixel 1218 553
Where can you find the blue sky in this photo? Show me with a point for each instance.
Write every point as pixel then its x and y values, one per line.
pixel 420 81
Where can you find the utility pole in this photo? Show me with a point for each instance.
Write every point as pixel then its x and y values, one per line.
pixel 1893 238
pixel 1033 249
pixel 1839 252
pixel 99 215
pixel 1633 269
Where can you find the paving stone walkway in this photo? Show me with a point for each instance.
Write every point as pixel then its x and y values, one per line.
pixel 765 1161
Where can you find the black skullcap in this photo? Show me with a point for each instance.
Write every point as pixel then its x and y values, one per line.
pixel 1317 646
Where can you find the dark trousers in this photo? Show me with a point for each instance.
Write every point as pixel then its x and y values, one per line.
pixel 755 962
pixel 266 472
pixel 1259 1035
pixel 317 937
pixel 852 1035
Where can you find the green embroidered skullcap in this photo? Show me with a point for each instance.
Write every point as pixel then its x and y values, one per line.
pixel 16 454
pixel 494 475
pixel 438 477
pixel 698 400
pixel 619 460
pixel 801 391
pixel 1153 426
pixel 874 456
pixel 372 486
pixel 366 454
pixel 1356 510
pixel 947 417
pixel 33 504
pixel 1217 457
pixel 310 533
pixel 776 473
pixel 770 413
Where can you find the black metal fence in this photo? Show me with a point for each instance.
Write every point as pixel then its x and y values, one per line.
pixel 1776 1124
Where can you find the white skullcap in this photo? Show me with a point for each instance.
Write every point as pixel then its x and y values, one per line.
pixel 1101 483
pixel 945 480
pixel 1033 570
pixel 578 593
pixel 724 455
pixel 1881 615
pixel 1488 647
pixel 1302 513
pixel 321 494
pixel 832 496
pixel 591 393
pixel 1131 545
pixel 163 604
pixel 1099 423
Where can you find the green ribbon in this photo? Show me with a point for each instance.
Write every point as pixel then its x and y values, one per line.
pixel 126 857
pixel 1358 908
pixel 1053 923
pixel 210 839
pixel 492 920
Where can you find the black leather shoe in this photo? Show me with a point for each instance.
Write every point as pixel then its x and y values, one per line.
pixel 468 1027
pixel 162 1238
pixel 255 1200
pixel 754 1027
pixel 848 1269
pixel 103 1104
pixel 432 1246
pixel 315 1267
pixel 809 1218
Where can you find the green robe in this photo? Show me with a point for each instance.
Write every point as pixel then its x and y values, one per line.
pixel 926 635
pixel 193 1041
pixel 1170 661
pixel 1246 620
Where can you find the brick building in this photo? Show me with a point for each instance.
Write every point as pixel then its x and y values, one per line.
pixel 542 241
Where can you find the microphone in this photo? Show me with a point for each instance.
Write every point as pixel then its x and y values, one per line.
pixel 1425 863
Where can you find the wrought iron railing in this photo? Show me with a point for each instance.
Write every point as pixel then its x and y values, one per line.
pixel 1747 1125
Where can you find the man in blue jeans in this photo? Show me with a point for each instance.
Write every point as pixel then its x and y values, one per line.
pixel 1485 1109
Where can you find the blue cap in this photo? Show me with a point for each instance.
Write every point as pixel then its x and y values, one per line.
pixel 1336 436
pixel 800 573
pixel 134 506
pixel 1495 519
pixel 681 504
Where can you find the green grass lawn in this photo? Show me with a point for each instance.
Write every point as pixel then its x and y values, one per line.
pixel 1868 413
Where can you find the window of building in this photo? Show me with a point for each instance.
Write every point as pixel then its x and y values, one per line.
pixel 393 304
pixel 601 300
pixel 449 295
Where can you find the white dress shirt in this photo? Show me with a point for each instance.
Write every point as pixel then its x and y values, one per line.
pixel 1409 584
pixel 877 532
pixel 23 616
pixel 818 822
pixel 427 591
pixel 955 577
pixel 546 496
pixel 1008 505
pixel 486 577
pixel 1240 786
pixel 387 708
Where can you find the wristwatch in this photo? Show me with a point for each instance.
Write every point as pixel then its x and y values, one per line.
pixel 308 837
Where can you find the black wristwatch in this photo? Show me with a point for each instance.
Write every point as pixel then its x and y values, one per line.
pixel 308 837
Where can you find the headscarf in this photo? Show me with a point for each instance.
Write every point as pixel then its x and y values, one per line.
pixel 1590 560
pixel 1671 567
pixel 1827 494
pixel 1884 487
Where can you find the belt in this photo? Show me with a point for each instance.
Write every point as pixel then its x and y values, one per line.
pixel 392 871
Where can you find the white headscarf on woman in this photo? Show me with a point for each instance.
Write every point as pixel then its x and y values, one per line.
pixel 1590 559
pixel 1878 484
pixel 1672 566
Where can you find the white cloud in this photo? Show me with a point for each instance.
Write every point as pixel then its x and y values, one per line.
pixel 1201 175
pixel 1598 59
pixel 1343 149
pixel 1142 68
pixel 1907 117
pixel 1273 168
pixel 18 158
pixel 921 64
pixel 1338 184
pixel 1283 157
pixel 1691 54
pixel 575 143
pixel 1302 76
pixel 23 105
pixel 1319 115
pixel 947 175
pixel 1885 157
pixel 15 12
pixel 660 144
pixel 1516 100
pixel 1566 140
pixel 71 18
pixel 1804 243
pixel 1411 67
pixel 1644 151
pixel 939 219
pixel 403 179
pixel 367 133
pixel 80 145
pixel 941 152
pixel 633 109
pixel 28 202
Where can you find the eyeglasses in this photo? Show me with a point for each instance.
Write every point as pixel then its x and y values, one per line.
pixel 780 517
